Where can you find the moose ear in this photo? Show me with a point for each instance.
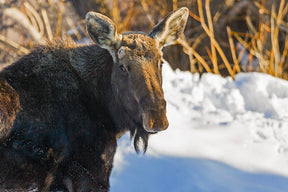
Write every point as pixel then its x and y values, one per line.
pixel 171 27
pixel 102 30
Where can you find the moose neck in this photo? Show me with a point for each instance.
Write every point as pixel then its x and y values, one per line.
pixel 94 66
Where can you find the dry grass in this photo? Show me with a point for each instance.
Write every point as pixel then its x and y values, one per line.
pixel 35 24
pixel 15 45
pixel 255 41
pixel 261 40
pixel 270 60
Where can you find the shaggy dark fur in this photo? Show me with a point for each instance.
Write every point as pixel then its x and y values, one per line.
pixel 62 129
pixel 62 107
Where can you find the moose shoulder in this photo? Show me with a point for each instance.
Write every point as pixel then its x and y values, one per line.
pixel 62 107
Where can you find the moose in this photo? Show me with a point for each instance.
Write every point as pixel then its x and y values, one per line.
pixel 63 106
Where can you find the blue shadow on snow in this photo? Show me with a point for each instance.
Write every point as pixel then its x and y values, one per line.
pixel 171 174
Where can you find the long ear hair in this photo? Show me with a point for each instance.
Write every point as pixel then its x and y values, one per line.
pixel 171 27
pixel 102 31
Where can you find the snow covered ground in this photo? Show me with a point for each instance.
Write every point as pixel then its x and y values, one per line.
pixel 224 135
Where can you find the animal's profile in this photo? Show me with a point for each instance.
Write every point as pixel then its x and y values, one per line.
pixel 62 107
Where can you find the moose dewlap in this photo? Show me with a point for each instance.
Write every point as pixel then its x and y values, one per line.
pixel 62 107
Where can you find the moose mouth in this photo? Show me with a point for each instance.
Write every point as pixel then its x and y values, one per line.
pixel 154 121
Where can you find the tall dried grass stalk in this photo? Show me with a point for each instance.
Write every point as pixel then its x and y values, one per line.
pixel 59 18
pixel 116 12
pixel 18 16
pixel 233 51
pixel 275 56
pixel 146 10
pixel 34 17
pixel 191 14
pixel 127 22
pixel 51 3
pixel 211 28
pixel 285 51
pixel 47 24
pixel 275 35
pixel 213 41
pixel 190 51
pixel 175 4
pixel 14 44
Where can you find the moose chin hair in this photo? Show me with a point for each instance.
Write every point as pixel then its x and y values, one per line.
pixel 140 137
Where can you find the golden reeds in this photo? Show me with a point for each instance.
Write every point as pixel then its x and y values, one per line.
pixel 213 40
pixel 14 44
pixel 254 41
pixel 261 41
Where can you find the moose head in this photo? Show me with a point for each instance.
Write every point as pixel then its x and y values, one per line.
pixel 136 74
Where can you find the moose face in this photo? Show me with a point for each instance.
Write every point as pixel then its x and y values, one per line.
pixel 138 79
pixel 136 75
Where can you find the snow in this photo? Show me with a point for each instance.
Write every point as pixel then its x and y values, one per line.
pixel 214 117
pixel 241 124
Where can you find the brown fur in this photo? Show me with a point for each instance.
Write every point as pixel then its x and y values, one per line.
pixel 62 107
pixel 9 107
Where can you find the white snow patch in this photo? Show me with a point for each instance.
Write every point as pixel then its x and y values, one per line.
pixel 243 123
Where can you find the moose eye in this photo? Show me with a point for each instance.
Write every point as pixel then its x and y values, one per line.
pixel 122 68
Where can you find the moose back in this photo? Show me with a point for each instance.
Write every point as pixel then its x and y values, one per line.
pixel 62 107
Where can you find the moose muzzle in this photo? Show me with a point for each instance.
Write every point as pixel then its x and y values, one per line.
pixel 155 121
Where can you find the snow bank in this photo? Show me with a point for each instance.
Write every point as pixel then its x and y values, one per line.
pixel 243 123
